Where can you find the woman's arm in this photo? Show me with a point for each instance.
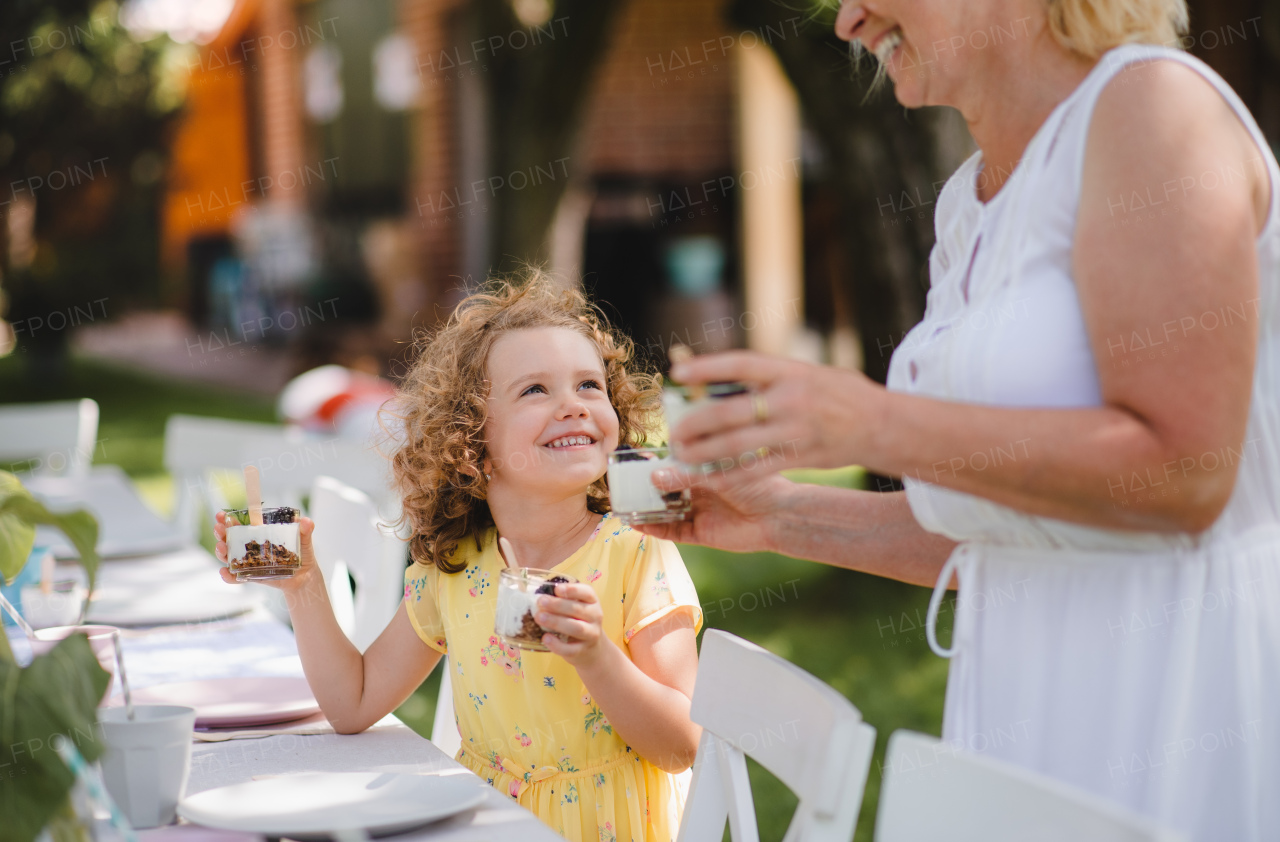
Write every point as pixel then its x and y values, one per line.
pixel 646 697
pixel 353 690
pixel 862 530
pixel 1163 452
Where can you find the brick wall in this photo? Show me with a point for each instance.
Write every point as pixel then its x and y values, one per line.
pixel 663 103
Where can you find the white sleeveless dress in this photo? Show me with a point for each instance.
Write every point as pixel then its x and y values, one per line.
pixel 1143 667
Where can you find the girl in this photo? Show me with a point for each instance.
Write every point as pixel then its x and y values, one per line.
pixel 508 415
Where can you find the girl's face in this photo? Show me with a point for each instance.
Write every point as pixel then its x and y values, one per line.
pixel 929 47
pixel 551 425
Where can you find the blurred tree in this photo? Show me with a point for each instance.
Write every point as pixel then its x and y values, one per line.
pixel 535 98
pixel 84 109
pixel 885 164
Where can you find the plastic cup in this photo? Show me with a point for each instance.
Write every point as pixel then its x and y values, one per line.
pixel 633 496
pixel 518 592
pixel 101 640
pixel 147 760
pixel 269 551
pixel 58 607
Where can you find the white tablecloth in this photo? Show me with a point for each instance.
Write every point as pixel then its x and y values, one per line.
pixel 256 644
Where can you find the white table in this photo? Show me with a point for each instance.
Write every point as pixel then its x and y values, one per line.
pixel 256 644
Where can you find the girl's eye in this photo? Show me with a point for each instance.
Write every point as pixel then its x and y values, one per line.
pixel 532 389
pixel 589 384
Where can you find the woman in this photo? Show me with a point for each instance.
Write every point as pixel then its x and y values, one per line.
pixel 1087 420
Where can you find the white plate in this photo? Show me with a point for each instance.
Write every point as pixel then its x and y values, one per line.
pixel 313 805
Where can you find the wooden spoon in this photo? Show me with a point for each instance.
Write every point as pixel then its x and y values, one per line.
pixel 253 490
pixel 683 353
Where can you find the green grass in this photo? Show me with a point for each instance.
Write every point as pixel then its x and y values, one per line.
pixel 862 635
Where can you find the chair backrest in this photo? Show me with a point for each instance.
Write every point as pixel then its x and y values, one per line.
pixel 59 437
pixel 932 790
pixel 288 461
pixel 194 446
pixel 751 703
pixel 444 728
pixel 348 540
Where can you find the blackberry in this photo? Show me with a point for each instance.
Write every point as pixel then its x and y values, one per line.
pixel 281 514
pixel 549 587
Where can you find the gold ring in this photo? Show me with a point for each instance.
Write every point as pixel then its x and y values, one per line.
pixel 762 452
pixel 760 407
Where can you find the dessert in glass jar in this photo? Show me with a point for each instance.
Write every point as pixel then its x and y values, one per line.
pixel 518 592
pixel 268 551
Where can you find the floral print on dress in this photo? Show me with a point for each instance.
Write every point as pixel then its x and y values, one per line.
pixel 571 796
pixel 522 738
pixel 549 681
pixel 660 584
pixel 565 763
pixel 479 580
pixel 478 701
pixel 607 834
pixel 598 778
pixel 595 722
pixel 593 574
pixel 500 652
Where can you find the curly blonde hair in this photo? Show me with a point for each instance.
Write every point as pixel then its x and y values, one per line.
pixel 443 407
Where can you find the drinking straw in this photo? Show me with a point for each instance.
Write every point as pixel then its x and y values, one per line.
pixel 253 489
pixel 93 782
pixel 124 678
pixel 17 618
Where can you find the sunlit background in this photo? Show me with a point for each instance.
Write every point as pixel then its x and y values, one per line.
pixel 202 200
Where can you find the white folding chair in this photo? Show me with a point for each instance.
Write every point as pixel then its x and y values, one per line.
pixel 194 446
pixel 348 539
pixel 751 703
pixel 288 462
pixel 59 437
pixel 444 728
pixel 931 790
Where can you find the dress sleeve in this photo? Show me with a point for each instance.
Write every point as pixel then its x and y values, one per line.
pixel 420 592
pixel 657 585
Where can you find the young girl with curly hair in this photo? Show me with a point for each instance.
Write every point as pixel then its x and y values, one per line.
pixel 507 417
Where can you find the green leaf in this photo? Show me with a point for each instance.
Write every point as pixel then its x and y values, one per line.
pixel 19 508
pixel 56 695
pixel 17 536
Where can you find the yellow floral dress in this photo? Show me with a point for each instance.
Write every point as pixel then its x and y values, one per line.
pixel 528 724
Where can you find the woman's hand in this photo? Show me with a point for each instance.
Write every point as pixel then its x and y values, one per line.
pixel 738 514
pixel 574 612
pixel 805 415
pixel 308 557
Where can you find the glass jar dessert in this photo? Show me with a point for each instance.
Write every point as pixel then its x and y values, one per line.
pixel 632 494
pixel 269 551
pixel 518 592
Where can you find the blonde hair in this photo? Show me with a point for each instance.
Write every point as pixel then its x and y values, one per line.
pixel 443 406
pixel 1091 27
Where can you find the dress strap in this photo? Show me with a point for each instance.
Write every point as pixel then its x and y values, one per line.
pixel 935 602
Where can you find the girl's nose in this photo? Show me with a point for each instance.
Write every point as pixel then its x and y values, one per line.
pixel 572 407
pixel 850 19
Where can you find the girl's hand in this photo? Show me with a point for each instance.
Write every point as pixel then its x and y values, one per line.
pixel 575 613
pixel 308 557
pixel 806 416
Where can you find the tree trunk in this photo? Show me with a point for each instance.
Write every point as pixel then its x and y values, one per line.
pixel 886 164
pixel 535 99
